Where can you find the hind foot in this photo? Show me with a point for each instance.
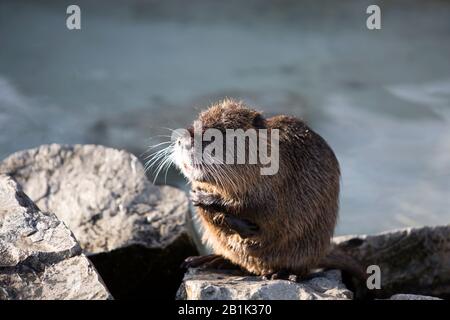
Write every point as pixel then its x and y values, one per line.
pixel 211 261
pixel 282 274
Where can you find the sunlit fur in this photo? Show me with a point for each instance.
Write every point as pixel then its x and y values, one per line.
pixel 296 209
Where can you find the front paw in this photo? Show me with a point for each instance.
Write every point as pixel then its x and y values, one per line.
pixel 202 198
pixel 245 228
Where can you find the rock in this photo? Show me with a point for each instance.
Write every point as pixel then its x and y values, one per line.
pixel 134 232
pixel 411 297
pixel 201 284
pixel 413 260
pixel 39 256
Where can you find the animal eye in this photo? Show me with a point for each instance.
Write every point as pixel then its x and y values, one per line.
pixel 258 122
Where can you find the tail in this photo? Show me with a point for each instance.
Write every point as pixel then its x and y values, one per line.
pixel 353 273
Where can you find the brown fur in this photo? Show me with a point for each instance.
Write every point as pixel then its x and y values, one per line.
pixel 296 209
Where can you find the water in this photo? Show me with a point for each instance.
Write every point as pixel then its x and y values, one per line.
pixel 380 98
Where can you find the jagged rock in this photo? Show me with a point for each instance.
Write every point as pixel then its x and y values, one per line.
pixel 413 260
pixel 201 284
pixel 134 232
pixel 39 257
pixel 411 297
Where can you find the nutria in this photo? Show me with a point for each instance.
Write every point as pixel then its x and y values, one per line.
pixel 276 226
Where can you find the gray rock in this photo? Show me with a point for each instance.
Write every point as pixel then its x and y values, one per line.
pixel 413 260
pixel 201 284
pixel 39 257
pixel 134 232
pixel 411 297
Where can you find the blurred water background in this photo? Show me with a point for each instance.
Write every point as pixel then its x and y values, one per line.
pixel 380 98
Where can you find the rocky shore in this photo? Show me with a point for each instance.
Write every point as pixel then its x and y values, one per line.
pixel 84 222
pixel 40 258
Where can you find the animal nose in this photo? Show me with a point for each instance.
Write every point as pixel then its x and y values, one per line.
pixel 191 131
pixel 185 142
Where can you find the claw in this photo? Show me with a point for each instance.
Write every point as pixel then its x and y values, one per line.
pixel 282 274
pixel 203 198
pixel 212 261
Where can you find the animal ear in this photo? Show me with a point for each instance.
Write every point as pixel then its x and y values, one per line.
pixel 259 122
